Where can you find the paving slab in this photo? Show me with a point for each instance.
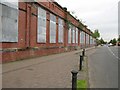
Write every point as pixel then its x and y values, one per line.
pixel 53 71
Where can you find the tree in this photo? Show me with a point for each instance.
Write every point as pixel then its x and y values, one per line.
pixel 110 41
pixel 102 41
pixel 96 34
pixel 119 39
pixel 114 41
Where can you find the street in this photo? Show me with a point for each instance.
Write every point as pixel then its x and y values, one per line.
pixel 103 67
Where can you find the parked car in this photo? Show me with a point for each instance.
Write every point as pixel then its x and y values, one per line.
pixel 118 43
pixel 110 44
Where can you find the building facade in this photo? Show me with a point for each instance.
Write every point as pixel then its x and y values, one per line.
pixel 31 29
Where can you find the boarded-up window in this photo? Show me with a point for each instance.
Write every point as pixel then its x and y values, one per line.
pixel 91 40
pixel 60 30
pixel 52 28
pixel 9 21
pixel 41 37
pixel 69 34
pixel 76 35
pixel 73 35
pixel 87 38
pixel 82 37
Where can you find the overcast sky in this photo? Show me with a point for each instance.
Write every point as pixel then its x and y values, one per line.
pixel 96 14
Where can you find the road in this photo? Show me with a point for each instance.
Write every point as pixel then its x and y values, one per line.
pixel 103 67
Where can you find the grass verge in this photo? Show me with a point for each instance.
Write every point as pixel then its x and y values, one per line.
pixel 81 85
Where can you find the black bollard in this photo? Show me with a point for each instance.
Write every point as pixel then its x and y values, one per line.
pixel 80 65
pixel 83 52
pixel 74 79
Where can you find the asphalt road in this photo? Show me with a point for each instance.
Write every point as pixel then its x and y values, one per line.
pixel 103 67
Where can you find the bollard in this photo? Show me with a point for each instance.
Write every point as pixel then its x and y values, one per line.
pixel 74 79
pixel 80 65
pixel 83 52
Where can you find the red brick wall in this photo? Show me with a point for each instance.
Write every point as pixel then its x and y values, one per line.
pixel 27 45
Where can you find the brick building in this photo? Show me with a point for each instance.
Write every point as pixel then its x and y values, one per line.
pixel 31 29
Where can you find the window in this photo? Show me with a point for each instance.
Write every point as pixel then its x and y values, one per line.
pixel 8 21
pixel 60 30
pixel 73 35
pixel 69 34
pixel 91 40
pixel 87 38
pixel 41 34
pixel 82 37
pixel 76 35
pixel 12 4
pixel 52 28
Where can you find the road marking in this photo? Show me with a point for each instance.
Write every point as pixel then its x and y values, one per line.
pixel 113 53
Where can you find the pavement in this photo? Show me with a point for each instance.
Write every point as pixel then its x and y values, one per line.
pixel 53 71
pixel 103 67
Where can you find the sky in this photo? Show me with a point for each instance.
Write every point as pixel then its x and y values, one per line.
pixel 96 14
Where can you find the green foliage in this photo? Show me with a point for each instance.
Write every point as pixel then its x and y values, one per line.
pixel 114 41
pixel 119 39
pixel 102 41
pixel 98 42
pixel 80 26
pixel 81 84
pixel 68 24
pixel 96 34
pixel 110 41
